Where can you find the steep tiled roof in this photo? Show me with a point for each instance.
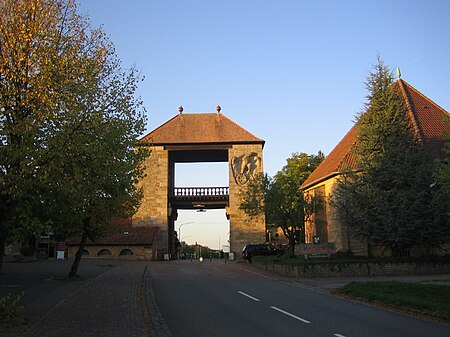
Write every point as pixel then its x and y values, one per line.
pixel 339 160
pixel 200 128
pixel 428 120
pixel 126 234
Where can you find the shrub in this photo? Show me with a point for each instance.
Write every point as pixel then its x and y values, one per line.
pixel 11 311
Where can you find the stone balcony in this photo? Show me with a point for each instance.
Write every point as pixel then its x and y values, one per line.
pixel 200 197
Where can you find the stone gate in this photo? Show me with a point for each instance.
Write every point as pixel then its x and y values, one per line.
pixel 199 137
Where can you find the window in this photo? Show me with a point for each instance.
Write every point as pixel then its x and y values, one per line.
pixel 126 252
pixel 104 252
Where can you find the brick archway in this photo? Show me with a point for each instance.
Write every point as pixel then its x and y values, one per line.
pixel 199 137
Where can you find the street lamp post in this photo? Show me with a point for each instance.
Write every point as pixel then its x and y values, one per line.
pixel 179 232
pixel 181 225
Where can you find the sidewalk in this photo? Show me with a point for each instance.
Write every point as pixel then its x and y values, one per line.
pixel 109 299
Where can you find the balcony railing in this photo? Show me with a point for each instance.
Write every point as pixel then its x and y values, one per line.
pixel 200 193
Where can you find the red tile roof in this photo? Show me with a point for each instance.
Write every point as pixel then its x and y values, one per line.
pixel 200 128
pixel 126 234
pixel 428 120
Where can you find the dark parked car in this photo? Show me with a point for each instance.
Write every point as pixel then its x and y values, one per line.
pixel 260 249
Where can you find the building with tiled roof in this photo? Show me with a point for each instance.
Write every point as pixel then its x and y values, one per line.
pixel 430 122
pixel 125 242
pixel 200 128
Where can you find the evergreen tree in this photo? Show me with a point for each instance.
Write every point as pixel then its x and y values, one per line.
pixel 393 202
pixel 443 174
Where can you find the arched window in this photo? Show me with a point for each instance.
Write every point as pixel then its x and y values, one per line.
pixel 85 252
pixel 104 252
pixel 126 252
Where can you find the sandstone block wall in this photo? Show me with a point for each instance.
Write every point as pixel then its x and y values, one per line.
pixel 153 210
pixel 337 233
pixel 353 269
pixel 243 229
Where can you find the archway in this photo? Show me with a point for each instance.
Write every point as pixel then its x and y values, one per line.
pixel 199 138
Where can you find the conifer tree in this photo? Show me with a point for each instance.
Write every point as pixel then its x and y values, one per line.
pixel 395 202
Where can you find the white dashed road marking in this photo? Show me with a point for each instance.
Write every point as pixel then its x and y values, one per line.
pixel 290 315
pixel 247 295
pixel 284 312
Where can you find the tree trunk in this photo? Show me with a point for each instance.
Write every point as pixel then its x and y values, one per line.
pixel 76 262
pixel 349 245
pixel 2 251
pixel 292 244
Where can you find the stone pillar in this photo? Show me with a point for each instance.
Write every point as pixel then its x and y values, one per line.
pixel 245 161
pixel 154 211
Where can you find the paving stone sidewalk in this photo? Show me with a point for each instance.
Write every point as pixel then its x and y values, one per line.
pixel 109 306
pixel 112 299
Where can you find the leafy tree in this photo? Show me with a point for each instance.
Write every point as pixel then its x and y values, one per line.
pixel 68 124
pixel 255 200
pixel 280 198
pixel 28 96
pixel 189 251
pixel 392 201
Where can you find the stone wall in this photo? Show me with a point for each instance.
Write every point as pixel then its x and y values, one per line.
pixel 243 229
pixel 353 269
pixel 153 210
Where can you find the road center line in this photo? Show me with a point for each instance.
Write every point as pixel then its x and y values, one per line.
pixel 338 335
pixel 247 295
pixel 290 315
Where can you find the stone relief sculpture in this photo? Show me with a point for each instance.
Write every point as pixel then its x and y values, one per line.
pixel 245 167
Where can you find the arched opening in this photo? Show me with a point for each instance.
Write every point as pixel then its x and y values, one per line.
pixel 202 141
pixel 202 220
pixel 85 252
pixel 126 252
pixel 104 252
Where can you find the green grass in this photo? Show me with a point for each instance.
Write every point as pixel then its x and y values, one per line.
pixel 428 299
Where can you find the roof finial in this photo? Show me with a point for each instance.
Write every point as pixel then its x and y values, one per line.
pixel 399 74
pixel 218 108
pixel 180 109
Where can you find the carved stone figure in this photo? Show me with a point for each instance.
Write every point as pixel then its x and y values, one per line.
pixel 245 167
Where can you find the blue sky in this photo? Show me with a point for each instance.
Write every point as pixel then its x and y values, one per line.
pixel 291 72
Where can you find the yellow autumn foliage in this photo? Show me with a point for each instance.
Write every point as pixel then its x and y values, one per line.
pixel 46 48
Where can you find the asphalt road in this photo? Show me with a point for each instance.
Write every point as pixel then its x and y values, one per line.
pixel 235 299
